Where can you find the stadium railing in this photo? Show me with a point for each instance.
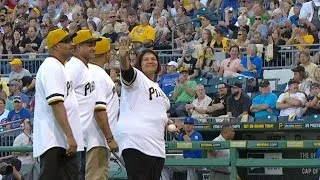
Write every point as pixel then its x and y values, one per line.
pixel 287 58
pixel 234 161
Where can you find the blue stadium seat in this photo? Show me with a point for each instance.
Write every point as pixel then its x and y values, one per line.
pixel 239 79
pixel 314 117
pixel 269 118
pixel 211 89
pixel 170 96
pixel 201 80
pixel 278 93
pixel 217 80
pixel 281 87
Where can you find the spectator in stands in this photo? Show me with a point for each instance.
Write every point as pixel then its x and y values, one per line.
pixel 3 111
pixel 198 108
pixel 206 24
pixel 291 102
pixel 238 105
pixel 227 133
pixel 143 35
pixel 230 65
pixel 277 19
pixel 304 60
pixel 300 36
pixel 258 39
pixel 18 72
pixel 265 103
pixel 241 39
pixel 132 19
pixel 219 41
pixel 188 61
pixel 17 37
pixel 108 32
pixel 209 67
pixel 114 73
pixel 312 105
pixel 162 34
pixel 168 81
pixel 28 85
pixel 258 27
pixel 308 15
pixel 259 12
pixel 316 75
pixel 182 18
pixel 294 19
pixel 15 90
pixel 300 75
pixel 18 114
pixel 10 48
pixel 252 63
pixel 31 43
pixel 26 158
pixel 218 105
pixel 9 104
pixel 4 86
pixel 184 92
pixel 206 38
pixel 275 41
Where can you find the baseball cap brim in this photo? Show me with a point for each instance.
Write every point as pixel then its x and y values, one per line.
pixel 91 40
pixel 68 38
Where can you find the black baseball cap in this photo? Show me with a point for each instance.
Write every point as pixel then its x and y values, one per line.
pixel 264 83
pixel 315 84
pixel 236 84
pixel 298 69
pixel 292 81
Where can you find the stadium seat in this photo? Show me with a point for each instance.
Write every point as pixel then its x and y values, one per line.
pixel 255 94
pixel 201 80
pixel 215 81
pixel 269 118
pixel 281 87
pixel 314 117
pixel 239 79
pixel 278 93
pixel 211 90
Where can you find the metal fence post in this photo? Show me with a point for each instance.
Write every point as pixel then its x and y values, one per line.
pixel 234 155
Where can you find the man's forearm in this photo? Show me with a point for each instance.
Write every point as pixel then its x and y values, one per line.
pixel 103 122
pixel 60 114
pixel 190 91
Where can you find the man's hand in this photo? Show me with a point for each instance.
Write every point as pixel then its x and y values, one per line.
pixel 186 138
pixel 72 146
pixel 210 109
pixel 113 145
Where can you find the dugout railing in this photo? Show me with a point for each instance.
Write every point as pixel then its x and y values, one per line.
pixel 234 161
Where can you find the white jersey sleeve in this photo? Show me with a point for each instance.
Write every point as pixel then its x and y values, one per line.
pixel 53 85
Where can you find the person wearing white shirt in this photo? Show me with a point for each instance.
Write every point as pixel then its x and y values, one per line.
pixel 28 168
pixel 223 173
pixel 143 116
pixel 291 102
pixel 198 107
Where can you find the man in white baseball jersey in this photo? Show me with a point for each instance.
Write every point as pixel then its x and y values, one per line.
pixel 84 49
pixel 105 116
pixel 57 129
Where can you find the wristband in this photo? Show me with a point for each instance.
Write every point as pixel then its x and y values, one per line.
pixel 109 139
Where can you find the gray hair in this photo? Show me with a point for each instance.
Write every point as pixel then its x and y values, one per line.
pixel 252 47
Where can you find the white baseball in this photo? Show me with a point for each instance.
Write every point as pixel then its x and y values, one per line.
pixel 172 128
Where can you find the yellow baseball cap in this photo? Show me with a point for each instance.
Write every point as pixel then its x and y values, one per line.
pixel 16 61
pixel 184 69
pixel 85 36
pixel 56 36
pixel 103 46
pixel 36 10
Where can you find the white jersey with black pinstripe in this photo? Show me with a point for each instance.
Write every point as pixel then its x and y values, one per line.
pixel 84 87
pixel 143 116
pixel 54 84
pixel 107 99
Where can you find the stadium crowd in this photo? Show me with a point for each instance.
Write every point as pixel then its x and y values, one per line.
pixel 199 83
